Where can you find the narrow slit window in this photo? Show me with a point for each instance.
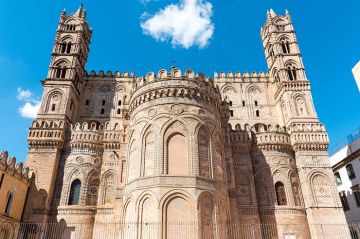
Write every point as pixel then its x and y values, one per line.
pixel 103 102
pixel 256 103
pixel 118 111
pixel 119 102
pixel 257 113
pixel 231 113
pixel 87 102
pixel 53 107
pixel 9 204
pixel 102 111
pixel 243 103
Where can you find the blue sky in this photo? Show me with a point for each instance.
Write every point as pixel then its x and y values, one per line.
pixel 328 33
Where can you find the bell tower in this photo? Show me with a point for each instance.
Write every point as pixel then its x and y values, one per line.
pixel 61 92
pixel 282 49
pixel 295 108
pixel 64 80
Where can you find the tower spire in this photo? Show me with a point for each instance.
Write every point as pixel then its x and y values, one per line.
pixel 80 10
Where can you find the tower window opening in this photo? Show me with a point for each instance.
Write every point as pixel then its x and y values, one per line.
pixel 60 73
pixel 291 73
pixel 68 48
pixel 243 103
pixel 119 102
pixel 53 107
pixel 87 102
pixel 257 113
pixel 63 47
pixel 118 111
pixel 231 113
pixel 230 103
pixel 256 103
pixel 102 111
pixel 285 45
pixel 103 102
pixel 280 27
pixel 271 53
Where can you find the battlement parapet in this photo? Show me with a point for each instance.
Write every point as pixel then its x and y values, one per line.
pixel 239 138
pixel 173 74
pixel 269 137
pixel 114 135
pixel 46 133
pixel 298 85
pixel 308 136
pixel 175 87
pixel 253 77
pixel 110 74
pixel 9 166
pixel 86 135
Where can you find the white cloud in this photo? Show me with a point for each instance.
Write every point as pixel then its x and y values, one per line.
pixel 185 24
pixel 23 94
pixel 31 105
pixel 29 110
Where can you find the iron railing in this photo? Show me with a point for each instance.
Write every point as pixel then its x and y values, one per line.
pixel 177 231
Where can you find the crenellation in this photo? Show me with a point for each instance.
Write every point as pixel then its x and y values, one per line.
pixel 11 167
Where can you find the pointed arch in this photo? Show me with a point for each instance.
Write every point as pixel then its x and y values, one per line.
pixel 301 107
pixel 149 154
pixel 204 152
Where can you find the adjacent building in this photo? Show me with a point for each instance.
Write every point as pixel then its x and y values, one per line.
pixel 14 184
pixel 345 161
pixel 356 72
pixel 179 154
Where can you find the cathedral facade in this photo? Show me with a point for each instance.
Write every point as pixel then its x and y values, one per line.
pixel 180 148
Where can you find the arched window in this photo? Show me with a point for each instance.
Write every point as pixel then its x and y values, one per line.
pixel 118 111
pixel 9 203
pixel 177 150
pixel 291 71
pixel 285 45
pixel 119 102
pixel 68 47
pixel 63 47
pixel 271 52
pixel 53 107
pixel 243 103
pixel 102 111
pixel 280 194
pixel 276 76
pixel 103 102
pixel 60 70
pixel 75 192
pixel 257 113
pixel 231 113
pixel 256 103
pixel 350 171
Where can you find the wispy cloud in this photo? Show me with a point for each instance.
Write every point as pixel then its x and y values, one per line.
pixel 185 24
pixel 31 105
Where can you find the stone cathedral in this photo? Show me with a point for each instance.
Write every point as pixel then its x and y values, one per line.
pixel 180 147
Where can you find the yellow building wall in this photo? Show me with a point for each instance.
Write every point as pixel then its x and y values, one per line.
pixel 19 188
